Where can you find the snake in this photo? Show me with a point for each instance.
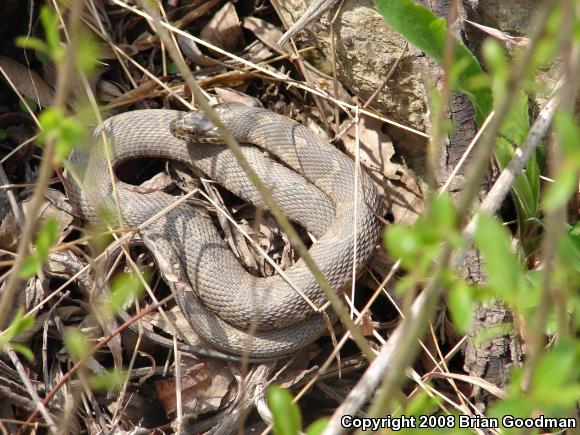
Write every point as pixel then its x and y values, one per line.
pixel 312 181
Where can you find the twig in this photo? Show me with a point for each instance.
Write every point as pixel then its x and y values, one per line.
pixel 354 220
pixel 63 88
pixel 377 90
pixel 333 60
pixel 313 12
pixel 94 349
pixel 41 408
pixel 553 295
pixel 390 358
pixel 337 304
pixel 269 72
pixel 263 253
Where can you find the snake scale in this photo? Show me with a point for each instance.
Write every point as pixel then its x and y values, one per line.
pixel 315 187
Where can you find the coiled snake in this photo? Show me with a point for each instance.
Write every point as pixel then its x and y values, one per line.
pixel 227 299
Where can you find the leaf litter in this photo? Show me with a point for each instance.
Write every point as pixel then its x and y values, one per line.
pixel 134 73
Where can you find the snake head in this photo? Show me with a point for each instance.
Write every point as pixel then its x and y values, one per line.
pixel 195 127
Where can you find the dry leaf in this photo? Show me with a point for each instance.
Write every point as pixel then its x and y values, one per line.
pixel 405 197
pixel 396 185
pixel 49 210
pixel 376 147
pixel 178 323
pixel 194 14
pixel 267 33
pixel 229 95
pixel 204 387
pixel 9 228
pixel 224 29
pixel 367 325
pixel 28 83
pixel 502 36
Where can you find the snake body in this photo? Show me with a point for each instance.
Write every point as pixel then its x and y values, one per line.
pixel 227 300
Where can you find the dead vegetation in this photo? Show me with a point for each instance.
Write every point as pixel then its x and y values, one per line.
pixel 153 383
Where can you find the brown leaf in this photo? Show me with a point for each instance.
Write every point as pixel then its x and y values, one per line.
pixel 160 181
pixel 204 387
pixel 178 323
pixel 224 29
pixel 28 83
pixel 367 325
pixel 232 96
pixel 502 36
pixel 49 210
pixel 376 148
pixel 395 183
pixel 194 14
pixel 405 197
pixel 267 33
pixel 231 79
pixel 145 90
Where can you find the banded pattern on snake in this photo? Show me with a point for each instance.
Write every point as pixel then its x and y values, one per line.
pixel 227 299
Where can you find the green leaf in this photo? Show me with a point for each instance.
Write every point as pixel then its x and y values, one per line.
pixel 564 186
pixel 442 214
pixel 50 119
pixel 549 44
pixel 50 25
pixel 317 427
pixel 405 284
pixel 88 52
pixel 29 267
pixel 71 134
pixel 21 323
pixel 569 255
pixel 66 132
pixel 31 104
pixel 285 413
pixel 568 131
pixel 172 68
pixel 422 403
pixel 496 61
pixel 76 343
pixel 565 180
pixel 503 269
pixel 22 349
pixel 32 43
pixel 47 237
pixel 461 302
pixel 402 243
pixel 3 134
pixel 516 405
pixel 424 30
pixel 108 381
pixel 124 288
pixel 556 369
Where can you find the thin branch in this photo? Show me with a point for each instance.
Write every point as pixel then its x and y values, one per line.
pixel 264 192
pixel 394 356
pixel 269 72
pixel 63 88
pixel 30 389
pixel 102 342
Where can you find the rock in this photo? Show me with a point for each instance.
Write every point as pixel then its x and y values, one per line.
pixel 366 49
